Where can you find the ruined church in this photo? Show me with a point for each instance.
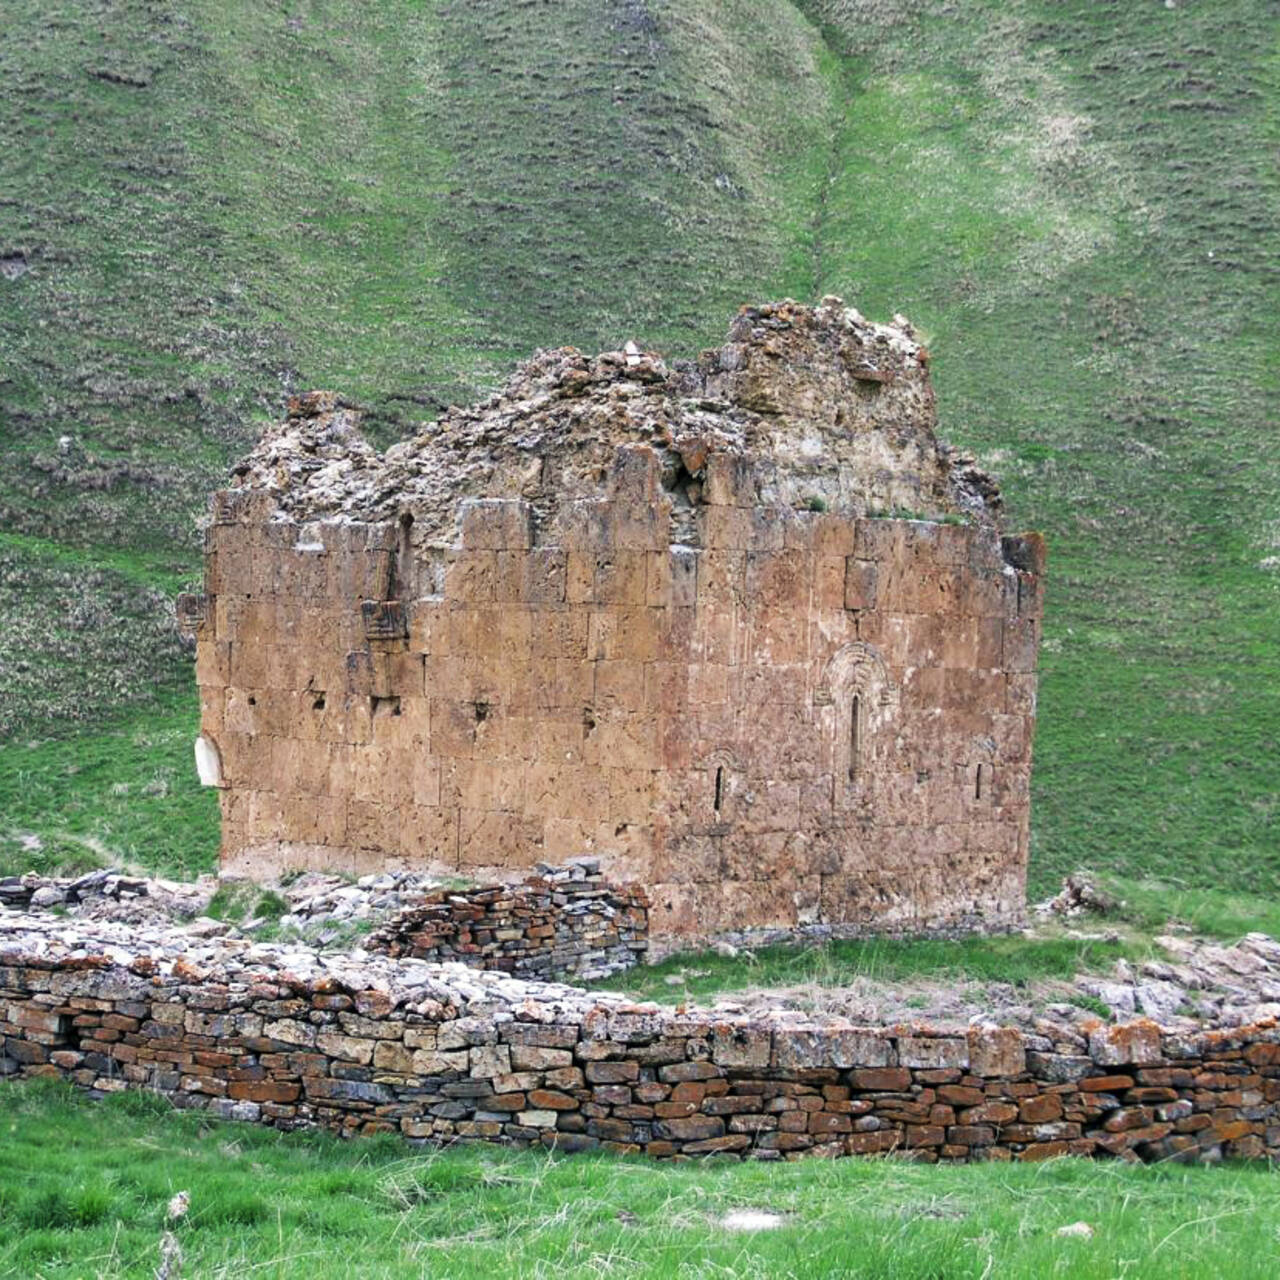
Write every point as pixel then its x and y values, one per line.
pixel 742 628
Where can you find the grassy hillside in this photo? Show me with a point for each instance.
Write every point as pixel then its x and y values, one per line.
pixel 1075 200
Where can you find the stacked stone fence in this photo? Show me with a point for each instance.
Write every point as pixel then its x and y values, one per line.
pixel 290 1038
pixel 565 922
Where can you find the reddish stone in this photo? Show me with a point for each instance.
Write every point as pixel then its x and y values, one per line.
pixel 752 1123
pixel 1172 1077
pixel 727 1106
pixel 961 1095
pixel 677 1072
pixel 506 1102
pixel 785 1141
pixel 551 1100
pixel 825 1122
pixel 925 1135
pixel 612 1095
pixel 612 1130
pixel 690 1128
pixel 1048 1106
pixel 1105 1084
pixel 1128 1118
pixel 264 1091
pixel 992 1112
pixel 710 1146
pixel 865 1143
pixel 612 1072
pixel 1233 1130
pixel 1148 1095
pixel 690 1091
pixel 1263 1055
pixel 666 1109
pixel 881 1079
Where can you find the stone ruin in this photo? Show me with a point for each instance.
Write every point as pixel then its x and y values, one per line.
pixel 441 1053
pixel 742 628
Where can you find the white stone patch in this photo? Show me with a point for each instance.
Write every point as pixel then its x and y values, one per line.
pixel 208 762
pixel 1076 1230
pixel 752 1220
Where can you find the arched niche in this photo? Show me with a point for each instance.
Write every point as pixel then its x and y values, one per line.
pixel 860 702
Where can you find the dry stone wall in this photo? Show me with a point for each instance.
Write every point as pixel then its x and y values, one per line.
pixel 564 922
pixel 444 1053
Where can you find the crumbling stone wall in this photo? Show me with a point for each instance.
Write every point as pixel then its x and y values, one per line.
pixel 445 1053
pixel 565 922
pixel 654 615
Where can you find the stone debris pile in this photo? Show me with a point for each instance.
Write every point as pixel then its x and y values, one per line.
pixel 440 1052
pixel 1225 986
pixel 315 897
pixel 564 921
pixel 1192 985
pixel 108 894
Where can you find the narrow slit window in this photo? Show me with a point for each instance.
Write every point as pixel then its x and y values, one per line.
pixel 981 781
pixel 855 736
pixel 403 586
pixel 719 796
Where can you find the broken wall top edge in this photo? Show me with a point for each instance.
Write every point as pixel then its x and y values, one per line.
pixel 803 407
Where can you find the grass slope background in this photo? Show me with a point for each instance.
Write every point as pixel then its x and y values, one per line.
pixel 203 209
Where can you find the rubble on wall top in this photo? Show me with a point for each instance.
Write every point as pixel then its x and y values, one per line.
pixel 828 407
pixel 159 952
pixel 1242 976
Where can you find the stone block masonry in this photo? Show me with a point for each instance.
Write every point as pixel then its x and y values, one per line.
pixel 675 618
pixel 443 1053
pixel 565 922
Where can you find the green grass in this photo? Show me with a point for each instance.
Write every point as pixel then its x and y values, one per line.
pixel 1074 200
pixel 85 633
pixel 1151 905
pixel 239 902
pixel 1009 959
pixel 1141 911
pixel 124 794
pixel 84 1186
